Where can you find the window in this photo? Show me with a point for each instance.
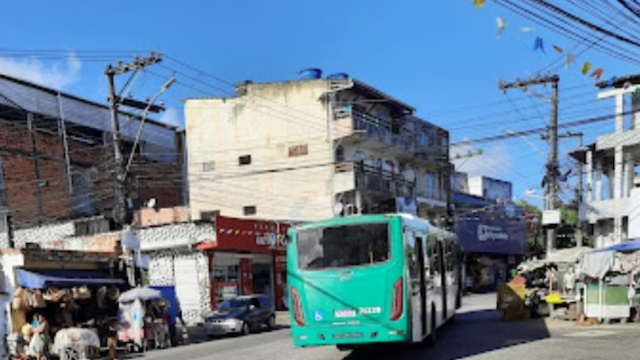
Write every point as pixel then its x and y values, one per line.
pixel 208 166
pixel 343 246
pixel 339 154
pixel 244 160
pixel 298 150
pixel 209 215
pixel 250 210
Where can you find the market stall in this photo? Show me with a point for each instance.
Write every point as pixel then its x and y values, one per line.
pixel 611 282
pixel 84 300
pixel 144 319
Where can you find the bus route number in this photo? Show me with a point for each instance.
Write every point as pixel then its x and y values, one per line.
pixel 370 310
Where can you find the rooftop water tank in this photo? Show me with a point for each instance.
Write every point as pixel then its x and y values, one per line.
pixel 338 76
pixel 310 74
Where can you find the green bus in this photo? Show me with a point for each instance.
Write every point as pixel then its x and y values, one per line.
pixel 356 281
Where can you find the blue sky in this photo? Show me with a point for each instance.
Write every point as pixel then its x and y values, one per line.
pixel 442 56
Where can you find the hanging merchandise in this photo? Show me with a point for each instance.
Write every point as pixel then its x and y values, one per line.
pixel 558 49
pixel 611 81
pixel 635 93
pixel 597 73
pixel 479 3
pixel 501 25
pixel 627 85
pixel 539 44
pixel 586 67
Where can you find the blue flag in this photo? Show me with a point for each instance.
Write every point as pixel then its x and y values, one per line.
pixel 539 44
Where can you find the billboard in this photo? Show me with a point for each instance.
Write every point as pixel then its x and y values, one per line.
pixel 496 234
pixel 249 235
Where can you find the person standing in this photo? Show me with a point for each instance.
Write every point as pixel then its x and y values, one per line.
pixel 39 345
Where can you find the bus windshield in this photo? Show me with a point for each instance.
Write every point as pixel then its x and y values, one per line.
pixel 343 246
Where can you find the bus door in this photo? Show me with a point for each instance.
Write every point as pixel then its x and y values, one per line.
pixel 423 283
pixel 443 278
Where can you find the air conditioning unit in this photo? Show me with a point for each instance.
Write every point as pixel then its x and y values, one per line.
pixel 350 210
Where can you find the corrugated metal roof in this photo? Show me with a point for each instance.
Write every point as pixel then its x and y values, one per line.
pixel 37 99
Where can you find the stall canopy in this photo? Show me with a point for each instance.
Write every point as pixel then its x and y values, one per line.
pixel 64 278
pixel 571 255
pixel 633 245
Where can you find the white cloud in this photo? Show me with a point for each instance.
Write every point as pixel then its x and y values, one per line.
pixel 57 76
pixel 495 161
pixel 171 117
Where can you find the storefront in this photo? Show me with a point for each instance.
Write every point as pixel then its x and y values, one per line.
pixel 70 289
pixel 494 243
pixel 247 257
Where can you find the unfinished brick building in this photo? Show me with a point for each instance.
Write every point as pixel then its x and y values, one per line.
pixel 56 156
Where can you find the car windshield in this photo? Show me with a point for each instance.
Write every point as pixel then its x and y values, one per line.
pixel 343 246
pixel 234 304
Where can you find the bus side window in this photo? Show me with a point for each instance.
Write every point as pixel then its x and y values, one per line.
pixel 434 258
pixel 414 266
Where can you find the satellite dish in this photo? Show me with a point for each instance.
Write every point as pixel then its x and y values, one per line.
pixel 337 208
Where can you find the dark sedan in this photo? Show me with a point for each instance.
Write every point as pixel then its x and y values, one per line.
pixel 241 315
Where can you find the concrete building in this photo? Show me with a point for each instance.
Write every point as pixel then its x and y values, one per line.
pixel 56 158
pixel 612 196
pixel 313 149
pixel 490 228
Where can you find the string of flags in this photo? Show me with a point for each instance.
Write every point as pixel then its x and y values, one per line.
pixel 570 59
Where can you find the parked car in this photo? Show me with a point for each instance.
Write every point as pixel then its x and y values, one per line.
pixel 241 315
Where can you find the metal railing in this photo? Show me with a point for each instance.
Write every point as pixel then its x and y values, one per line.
pixel 373 178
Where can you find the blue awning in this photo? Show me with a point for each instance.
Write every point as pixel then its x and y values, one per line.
pixel 632 245
pixel 64 278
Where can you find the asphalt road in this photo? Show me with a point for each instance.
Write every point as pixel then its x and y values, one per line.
pixel 478 333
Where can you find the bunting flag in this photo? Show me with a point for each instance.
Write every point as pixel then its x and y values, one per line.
pixel 479 3
pixel 539 44
pixel 527 29
pixel 501 25
pixel 558 49
pixel 597 73
pixel 586 67
pixel 611 81
pixel 570 60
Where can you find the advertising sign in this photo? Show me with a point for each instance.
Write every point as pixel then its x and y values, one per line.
pixel 491 234
pixel 252 235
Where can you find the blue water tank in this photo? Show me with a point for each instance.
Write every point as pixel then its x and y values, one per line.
pixel 310 74
pixel 338 76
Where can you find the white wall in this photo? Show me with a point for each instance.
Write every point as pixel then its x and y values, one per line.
pixel 264 123
pixel 634 214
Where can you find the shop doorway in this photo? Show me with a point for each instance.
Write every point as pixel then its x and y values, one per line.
pixel 262 279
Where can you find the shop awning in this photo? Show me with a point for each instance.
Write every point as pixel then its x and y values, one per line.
pixel 63 278
pixel 632 245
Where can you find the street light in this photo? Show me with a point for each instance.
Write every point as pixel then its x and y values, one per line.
pixel 513 133
pixel 164 88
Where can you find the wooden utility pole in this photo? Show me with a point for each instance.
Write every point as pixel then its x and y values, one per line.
pixel 120 208
pixel 551 177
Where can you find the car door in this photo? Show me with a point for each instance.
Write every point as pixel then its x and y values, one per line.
pixel 254 315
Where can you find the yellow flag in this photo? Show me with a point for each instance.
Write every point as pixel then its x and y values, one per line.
pixel 479 3
pixel 586 67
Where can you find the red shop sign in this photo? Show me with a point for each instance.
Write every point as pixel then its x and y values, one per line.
pixel 246 234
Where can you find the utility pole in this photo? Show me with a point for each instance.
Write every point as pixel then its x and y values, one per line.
pixel 551 177
pixel 120 208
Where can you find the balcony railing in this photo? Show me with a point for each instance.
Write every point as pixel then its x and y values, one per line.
pixel 383 130
pixel 373 178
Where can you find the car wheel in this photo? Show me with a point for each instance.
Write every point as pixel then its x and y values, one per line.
pixel 272 322
pixel 245 329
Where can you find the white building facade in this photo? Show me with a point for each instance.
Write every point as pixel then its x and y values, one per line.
pixel 313 149
pixel 612 196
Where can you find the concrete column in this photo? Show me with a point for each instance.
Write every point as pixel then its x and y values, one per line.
pixel 619 111
pixel 599 180
pixel 629 175
pixel 617 230
pixel 635 106
pixel 589 176
pixel 618 166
